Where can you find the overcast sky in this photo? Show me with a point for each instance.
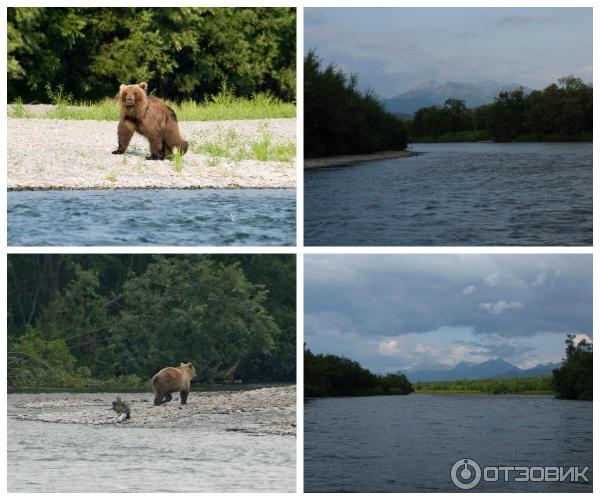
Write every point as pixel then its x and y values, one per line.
pixel 396 312
pixel 396 49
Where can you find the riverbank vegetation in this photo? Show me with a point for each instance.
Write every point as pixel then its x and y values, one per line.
pixel 539 385
pixel 222 106
pixel 326 375
pixel 112 321
pixel 563 111
pixel 232 145
pixel 185 53
pixel 339 119
pixel 575 378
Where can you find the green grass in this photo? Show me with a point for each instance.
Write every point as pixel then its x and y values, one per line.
pixel 537 385
pixel 18 110
pixel 177 160
pixel 223 106
pixel 463 392
pixel 232 145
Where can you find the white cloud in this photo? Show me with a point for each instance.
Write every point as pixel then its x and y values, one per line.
pixel 500 306
pixel 581 337
pixel 468 290
pixel 539 280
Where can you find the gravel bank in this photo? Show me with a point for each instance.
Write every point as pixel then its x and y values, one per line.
pixel 269 410
pixel 76 154
pixel 346 160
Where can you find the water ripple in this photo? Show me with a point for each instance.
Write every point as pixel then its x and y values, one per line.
pixel 456 194
pixel 152 217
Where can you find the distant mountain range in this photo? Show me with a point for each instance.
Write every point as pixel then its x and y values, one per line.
pixel 434 93
pixel 494 368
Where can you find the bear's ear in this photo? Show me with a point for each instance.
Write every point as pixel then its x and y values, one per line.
pixel 143 86
pixel 122 87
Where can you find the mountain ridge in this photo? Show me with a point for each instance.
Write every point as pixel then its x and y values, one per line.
pixel 494 368
pixel 434 93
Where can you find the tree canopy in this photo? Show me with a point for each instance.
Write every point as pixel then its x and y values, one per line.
pixel 77 317
pixel 183 53
pixel 330 375
pixel 339 119
pixel 575 378
pixel 562 111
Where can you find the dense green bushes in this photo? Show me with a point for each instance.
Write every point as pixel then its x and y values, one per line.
pixel 339 119
pixel 74 320
pixel 183 53
pixel 562 111
pixel 517 385
pixel 575 378
pixel 329 375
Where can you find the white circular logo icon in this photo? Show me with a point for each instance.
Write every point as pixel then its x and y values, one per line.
pixel 465 474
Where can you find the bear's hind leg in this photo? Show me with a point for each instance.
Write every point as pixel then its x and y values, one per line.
pixel 157 399
pixel 167 398
pixel 183 395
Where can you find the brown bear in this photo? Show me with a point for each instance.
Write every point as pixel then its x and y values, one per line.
pixel 150 117
pixel 170 380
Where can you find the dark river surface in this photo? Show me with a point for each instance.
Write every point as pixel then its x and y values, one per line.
pixel 211 217
pixel 409 443
pixel 456 194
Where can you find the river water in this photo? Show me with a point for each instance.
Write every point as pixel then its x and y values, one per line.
pixel 456 194
pixel 409 443
pixel 215 217
pixel 196 455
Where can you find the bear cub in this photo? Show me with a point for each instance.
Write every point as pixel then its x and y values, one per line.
pixel 150 117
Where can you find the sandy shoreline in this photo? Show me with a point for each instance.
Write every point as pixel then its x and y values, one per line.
pixel 270 410
pixel 48 154
pixel 345 160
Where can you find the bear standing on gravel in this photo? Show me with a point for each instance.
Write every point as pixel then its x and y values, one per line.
pixel 150 117
pixel 170 380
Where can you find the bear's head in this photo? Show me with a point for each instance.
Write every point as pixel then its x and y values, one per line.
pixel 189 368
pixel 130 95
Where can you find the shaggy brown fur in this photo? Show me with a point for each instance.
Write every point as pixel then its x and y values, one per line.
pixel 150 117
pixel 170 380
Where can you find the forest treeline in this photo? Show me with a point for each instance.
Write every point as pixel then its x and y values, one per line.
pixel 327 375
pixel 518 385
pixel 115 320
pixel 563 111
pixel 340 119
pixel 575 378
pixel 182 53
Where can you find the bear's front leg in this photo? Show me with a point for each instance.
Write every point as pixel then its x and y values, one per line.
pixel 125 133
pixel 183 396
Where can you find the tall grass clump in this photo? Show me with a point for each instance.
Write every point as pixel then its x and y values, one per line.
pixel 340 119
pixel 18 110
pixel 232 145
pixel 177 159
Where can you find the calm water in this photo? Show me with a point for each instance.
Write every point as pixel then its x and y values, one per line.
pixel 456 194
pixel 409 443
pixel 197 456
pixel 152 217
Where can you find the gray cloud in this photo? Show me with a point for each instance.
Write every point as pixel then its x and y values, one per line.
pixel 464 306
